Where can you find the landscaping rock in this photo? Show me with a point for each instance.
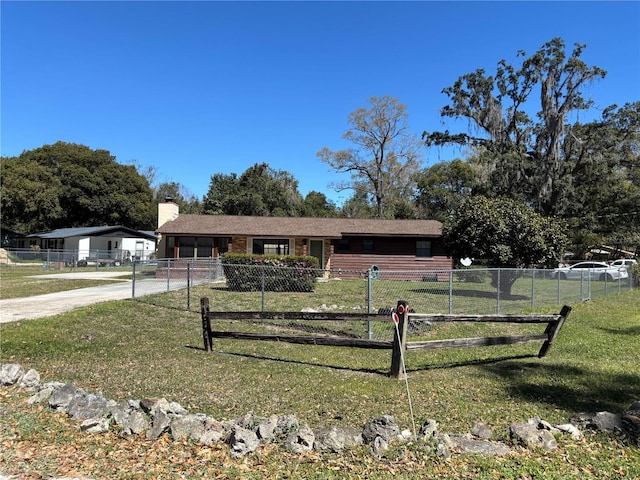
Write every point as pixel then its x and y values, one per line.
pixel 286 424
pixel 571 430
pixel 30 380
pixel 266 429
pixel 10 373
pixel 465 444
pixel 428 429
pixel 83 406
pixel 601 421
pixel 242 441
pixel 531 437
pixel 159 424
pixel 44 392
pixel 480 430
pixel 198 427
pixel 61 397
pixel 379 446
pixel 383 426
pixel 337 438
pixel 96 425
pixel 444 444
pixel 301 440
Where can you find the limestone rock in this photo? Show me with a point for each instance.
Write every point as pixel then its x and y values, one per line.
pixel 383 426
pixel 30 380
pixel 337 438
pixel 428 429
pixel 61 397
pixel 301 440
pixel 475 446
pixel 10 373
pixel 480 430
pixel 531 437
pixel 242 441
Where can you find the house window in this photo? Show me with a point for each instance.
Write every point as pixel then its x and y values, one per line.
pixel 223 244
pixel 204 247
pixel 271 246
pixel 186 247
pixel 423 248
pixel 343 245
pixel 367 245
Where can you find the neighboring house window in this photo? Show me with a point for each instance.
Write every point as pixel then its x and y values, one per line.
pixel 367 245
pixel 423 248
pixel 343 245
pixel 271 246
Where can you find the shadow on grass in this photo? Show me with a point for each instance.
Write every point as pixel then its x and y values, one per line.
pixel 469 363
pixel 627 331
pixel 377 371
pixel 373 371
pixel 571 388
pixel 469 293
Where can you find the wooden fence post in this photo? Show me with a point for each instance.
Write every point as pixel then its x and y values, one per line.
pixel 552 330
pixel 206 324
pixel 399 340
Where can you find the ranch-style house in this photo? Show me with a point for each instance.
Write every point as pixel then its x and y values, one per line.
pixel 340 244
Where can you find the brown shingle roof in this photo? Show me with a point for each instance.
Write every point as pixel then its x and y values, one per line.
pixel 228 225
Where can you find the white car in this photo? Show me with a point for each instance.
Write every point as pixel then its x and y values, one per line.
pixel 591 270
pixel 624 262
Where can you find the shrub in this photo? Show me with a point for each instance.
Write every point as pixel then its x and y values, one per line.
pixel 273 273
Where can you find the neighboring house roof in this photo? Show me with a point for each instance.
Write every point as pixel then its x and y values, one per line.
pixel 229 225
pixel 104 231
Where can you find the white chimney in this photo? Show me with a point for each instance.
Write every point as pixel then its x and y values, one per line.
pixel 167 211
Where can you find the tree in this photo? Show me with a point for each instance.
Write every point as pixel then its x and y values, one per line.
pixel 316 204
pixel 180 195
pixel 506 234
pixel 603 184
pixel 259 191
pixel 71 185
pixel 443 187
pixel 385 156
pixel 29 196
pixel 523 156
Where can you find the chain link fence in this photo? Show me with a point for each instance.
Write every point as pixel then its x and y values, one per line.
pixel 58 259
pixel 273 289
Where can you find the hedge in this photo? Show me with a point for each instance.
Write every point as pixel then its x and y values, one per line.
pixel 273 273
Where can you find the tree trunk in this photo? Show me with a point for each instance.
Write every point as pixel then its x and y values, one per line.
pixel 503 279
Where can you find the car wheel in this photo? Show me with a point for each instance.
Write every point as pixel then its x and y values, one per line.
pixel 562 276
pixel 116 263
pixel 606 277
pixel 81 263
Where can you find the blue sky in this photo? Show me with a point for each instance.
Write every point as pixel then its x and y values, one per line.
pixel 198 88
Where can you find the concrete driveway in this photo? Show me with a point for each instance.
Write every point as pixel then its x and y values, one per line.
pixel 50 304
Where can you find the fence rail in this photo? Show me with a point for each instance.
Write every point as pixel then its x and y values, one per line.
pixel 402 316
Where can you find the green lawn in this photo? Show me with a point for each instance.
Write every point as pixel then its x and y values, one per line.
pixel 132 350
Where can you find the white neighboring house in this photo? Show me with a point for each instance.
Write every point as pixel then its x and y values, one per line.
pixel 106 245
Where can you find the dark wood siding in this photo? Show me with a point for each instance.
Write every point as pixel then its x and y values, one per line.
pixel 390 254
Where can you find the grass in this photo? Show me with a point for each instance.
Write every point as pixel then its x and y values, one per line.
pixel 18 282
pixel 132 350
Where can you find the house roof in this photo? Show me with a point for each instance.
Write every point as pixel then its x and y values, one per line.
pixel 114 230
pixel 232 225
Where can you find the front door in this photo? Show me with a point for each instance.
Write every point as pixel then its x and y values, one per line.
pixel 316 249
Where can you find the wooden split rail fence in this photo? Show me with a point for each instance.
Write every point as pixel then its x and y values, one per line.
pixel 401 316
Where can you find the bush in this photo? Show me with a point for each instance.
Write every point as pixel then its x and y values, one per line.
pixel 273 273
